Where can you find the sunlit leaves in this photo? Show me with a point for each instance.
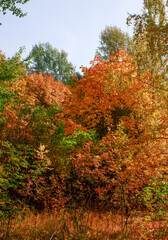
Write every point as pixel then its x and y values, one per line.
pixel 107 91
pixel 150 40
pixel 120 104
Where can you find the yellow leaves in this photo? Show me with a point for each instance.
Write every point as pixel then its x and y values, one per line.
pixel 42 155
pixel 42 148
pixel 134 74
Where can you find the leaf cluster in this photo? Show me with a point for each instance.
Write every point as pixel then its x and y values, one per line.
pixel 12 6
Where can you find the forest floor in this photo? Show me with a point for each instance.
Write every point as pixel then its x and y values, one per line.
pixel 82 224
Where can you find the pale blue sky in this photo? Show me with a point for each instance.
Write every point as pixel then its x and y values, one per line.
pixel 71 25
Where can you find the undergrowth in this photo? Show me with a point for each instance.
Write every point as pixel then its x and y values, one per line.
pixel 81 224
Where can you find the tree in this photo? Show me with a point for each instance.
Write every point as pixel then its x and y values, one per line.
pixel 30 110
pixel 151 39
pixel 48 60
pixel 10 5
pixel 108 91
pixel 116 101
pixel 111 40
pixel 11 68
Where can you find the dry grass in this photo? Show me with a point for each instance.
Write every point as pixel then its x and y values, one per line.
pixel 78 225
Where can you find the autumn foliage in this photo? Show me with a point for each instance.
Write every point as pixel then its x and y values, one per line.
pixel 100 142
pixel 120 105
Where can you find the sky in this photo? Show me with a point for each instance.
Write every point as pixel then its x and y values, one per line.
pixel 71 25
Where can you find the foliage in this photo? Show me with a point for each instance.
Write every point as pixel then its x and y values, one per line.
pixel 39 137
pixel 15 167
pixel 113 100
pixel 155 197
pixel 11 68
pixel 48 60
pixel 99 142
pixel 99 99
pixel 111 40
pixel 11 5
pixel 150 40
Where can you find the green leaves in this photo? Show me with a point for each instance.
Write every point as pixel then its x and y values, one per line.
pixel 11 5
pixel 76 140
pixel 5 96
pixel 48 60
pixel 155 196
pixel 151 40
pixel 11 68
pixel 111 40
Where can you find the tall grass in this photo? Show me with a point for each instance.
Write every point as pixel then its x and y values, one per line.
pixel 82 224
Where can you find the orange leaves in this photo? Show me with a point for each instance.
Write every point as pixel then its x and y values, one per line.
pixel 39 89
pixel 108 134
pixel 117 101
pixel 70 126
pixel 105 87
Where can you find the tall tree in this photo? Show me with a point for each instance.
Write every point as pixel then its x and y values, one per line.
pixel 151 39
pixel 111 40
pixel 48 60
pixel 11 5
